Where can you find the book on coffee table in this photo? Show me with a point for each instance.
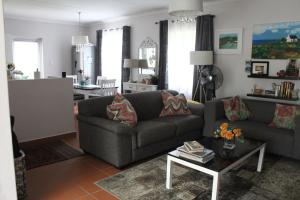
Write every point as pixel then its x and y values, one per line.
pixel 193 146
pixel 203 157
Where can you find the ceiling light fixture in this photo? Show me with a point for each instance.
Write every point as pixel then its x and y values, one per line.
pixel 80 40
pixel 185 10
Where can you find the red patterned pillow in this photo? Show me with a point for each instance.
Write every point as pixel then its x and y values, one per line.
pixel 284 116
pixel 122 110
pixel 174 105
pixel 235 109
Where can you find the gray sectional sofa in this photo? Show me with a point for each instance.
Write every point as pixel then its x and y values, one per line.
pixel 279 141
pixel 120 144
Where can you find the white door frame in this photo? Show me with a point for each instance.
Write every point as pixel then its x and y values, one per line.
pixel 7 170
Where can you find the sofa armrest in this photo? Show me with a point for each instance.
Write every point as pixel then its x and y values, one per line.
pixel 296 148
pixel 108 125
pixel 214 110
pixel 196 108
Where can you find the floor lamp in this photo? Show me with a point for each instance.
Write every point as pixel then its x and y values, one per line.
pixel 200 59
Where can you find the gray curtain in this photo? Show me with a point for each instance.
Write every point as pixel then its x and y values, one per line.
pixel 98 59
pixel 204 42
pixel 125 54
pixel 163 54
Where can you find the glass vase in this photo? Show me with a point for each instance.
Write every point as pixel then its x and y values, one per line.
pixel 229 144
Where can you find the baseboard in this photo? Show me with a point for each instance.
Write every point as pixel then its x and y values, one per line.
pixel 47 139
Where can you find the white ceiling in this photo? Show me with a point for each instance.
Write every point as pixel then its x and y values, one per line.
pixel 92 10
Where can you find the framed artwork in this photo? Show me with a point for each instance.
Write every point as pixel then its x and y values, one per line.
pixel 260 68
pixel 229 41
pixel 276 41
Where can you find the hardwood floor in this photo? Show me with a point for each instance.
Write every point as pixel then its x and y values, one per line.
pixel 70 180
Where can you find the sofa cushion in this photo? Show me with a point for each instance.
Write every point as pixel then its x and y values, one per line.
pixel 184 124
pixel 149 132
pixel 284 116
pixel 174 105
pixel 147 105
pixel 235 109
pixel 122 110
pixel 279 141
pixel 261 111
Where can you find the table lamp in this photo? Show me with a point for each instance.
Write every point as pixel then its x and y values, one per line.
pixel 131 63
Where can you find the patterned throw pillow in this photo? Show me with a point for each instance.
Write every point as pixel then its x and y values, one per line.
pixel 174 105
pixel 284 116
pixel 244 111
pixel 235 109
pixel 122 110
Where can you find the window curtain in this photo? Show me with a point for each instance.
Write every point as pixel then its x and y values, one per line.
pixel 125 54
pixel 111 55
pixel 204 42
pixel 98 59
pixel 180 43
pixel 163 54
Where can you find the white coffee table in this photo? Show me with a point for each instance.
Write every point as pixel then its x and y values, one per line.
pixel 224 161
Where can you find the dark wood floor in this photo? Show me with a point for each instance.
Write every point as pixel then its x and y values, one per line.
pixel 69 180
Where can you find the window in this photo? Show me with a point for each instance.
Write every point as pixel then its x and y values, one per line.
pixel 27 56
pixel 182 38
pixel 112 55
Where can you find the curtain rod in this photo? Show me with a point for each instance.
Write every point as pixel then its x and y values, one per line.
pixel 164 20
pixel 178 20
pixel 112 29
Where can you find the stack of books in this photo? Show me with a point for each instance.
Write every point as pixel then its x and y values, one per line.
pixel 286 89
pixel 193 150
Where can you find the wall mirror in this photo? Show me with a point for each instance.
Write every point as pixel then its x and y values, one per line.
pixel 148 50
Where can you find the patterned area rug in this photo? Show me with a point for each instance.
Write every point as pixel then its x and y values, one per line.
pixel 47 153
pixel 279 180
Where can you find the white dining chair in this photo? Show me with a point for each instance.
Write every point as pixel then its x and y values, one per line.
pixel 108 83
pixel 99 79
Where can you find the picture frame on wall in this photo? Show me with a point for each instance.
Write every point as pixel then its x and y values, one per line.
pixel 276 41
pixel 260 68
pixel 229 41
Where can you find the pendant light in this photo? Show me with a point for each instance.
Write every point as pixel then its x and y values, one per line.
pixel 185 8
pixel 79 40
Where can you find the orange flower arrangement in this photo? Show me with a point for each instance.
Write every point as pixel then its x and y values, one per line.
pixel 228 132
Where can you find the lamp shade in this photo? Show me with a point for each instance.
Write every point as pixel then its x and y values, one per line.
pixel 131 63
pixel 143 63
pixel 201 58
pixel 185 8
pixel 80 40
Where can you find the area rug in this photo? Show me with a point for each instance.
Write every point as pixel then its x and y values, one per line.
pixel 48 152
pixel 279 180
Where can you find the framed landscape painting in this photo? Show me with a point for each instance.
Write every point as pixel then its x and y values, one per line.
pixel 228 41
pixel 276 41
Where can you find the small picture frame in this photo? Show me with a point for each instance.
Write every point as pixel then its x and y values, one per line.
pixel 260 68
pixel 228 41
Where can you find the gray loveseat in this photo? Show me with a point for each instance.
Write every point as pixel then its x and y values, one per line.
pixel 279 141
pixel 120 144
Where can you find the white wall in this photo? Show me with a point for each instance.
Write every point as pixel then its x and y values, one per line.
pixel 7 174
pixel 244 14
pixel 42 108
pixel 141 27
pixel 235 14
pixel 56 40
